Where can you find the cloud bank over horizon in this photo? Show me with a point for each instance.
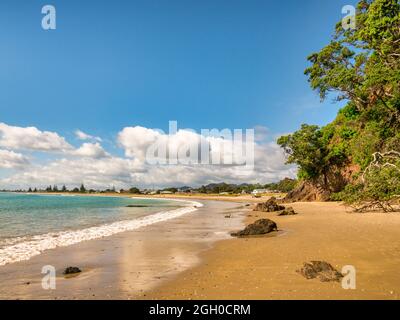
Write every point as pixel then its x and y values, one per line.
pixel 30 157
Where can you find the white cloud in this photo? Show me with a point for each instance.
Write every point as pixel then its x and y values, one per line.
pixel 94 173
pixel 90 164
pixel 84 136
pixel 30 138
pixel 123 173
pixel 90 150
pixel 136 140
pixel 143 144
pixel 12 160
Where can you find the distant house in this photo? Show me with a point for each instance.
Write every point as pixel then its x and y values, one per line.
pixel 259 192
pixel 166 192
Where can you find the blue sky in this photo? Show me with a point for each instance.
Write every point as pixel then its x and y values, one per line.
pixel 207 64
pixel 109 64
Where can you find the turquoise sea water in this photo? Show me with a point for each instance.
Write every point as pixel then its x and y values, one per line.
pixel 31 223
pixel 23 215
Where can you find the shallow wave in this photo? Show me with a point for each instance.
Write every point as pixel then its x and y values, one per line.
pixel 37 244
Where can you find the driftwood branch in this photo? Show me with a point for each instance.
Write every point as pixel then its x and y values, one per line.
pixel 380 161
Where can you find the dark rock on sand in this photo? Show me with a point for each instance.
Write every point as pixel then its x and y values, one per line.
pixel 288 212
pixel 321 270
pixel 260 227
pixel 72 270
pixel 270 206
pixel 136 206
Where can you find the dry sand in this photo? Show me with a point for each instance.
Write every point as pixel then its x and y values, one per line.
pixel 265 267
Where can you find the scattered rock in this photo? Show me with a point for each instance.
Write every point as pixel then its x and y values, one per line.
pixel 288 212
pixel 136 206
pixel 260 227
pixel 321 270
pixel 270 206
pixel 72 270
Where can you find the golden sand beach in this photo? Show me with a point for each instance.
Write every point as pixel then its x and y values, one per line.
pixel 193 257
pixel 265 267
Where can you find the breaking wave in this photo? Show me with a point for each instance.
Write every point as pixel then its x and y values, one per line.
pixel 19 249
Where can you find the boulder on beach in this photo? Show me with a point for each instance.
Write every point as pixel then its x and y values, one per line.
pixel 136 206
pixel 288 212
pixel 72 270
pixel 260 227
pixel 321 270
pixel 270 206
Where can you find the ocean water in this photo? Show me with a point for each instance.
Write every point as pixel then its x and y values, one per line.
pixel 31 223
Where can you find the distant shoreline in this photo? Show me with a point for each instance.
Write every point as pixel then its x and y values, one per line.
pixel 177 196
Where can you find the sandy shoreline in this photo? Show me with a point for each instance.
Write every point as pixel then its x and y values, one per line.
pixel 265 267
pixel 193 257
pixel 124 265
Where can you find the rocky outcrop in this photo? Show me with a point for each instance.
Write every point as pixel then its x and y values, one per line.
pixel 270 206
pixel 289 211
pixel 260 227
pixel 307 192
pixel 72 270
pixel 320 270
pixel 320 189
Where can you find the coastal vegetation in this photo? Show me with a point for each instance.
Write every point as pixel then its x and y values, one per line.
pixel 361 67
pixel 283 186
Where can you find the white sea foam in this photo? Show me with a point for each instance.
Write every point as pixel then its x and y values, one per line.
pixel 36 245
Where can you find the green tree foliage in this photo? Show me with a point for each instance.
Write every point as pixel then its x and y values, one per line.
pixel 362 67
pixel 172 189
pixel 286 185
pixel 134 190
pixel 307 149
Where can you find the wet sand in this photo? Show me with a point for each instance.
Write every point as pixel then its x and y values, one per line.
pixel 125 265
pixel 265 267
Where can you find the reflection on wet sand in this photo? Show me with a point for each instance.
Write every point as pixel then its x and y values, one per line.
pixel 125 265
